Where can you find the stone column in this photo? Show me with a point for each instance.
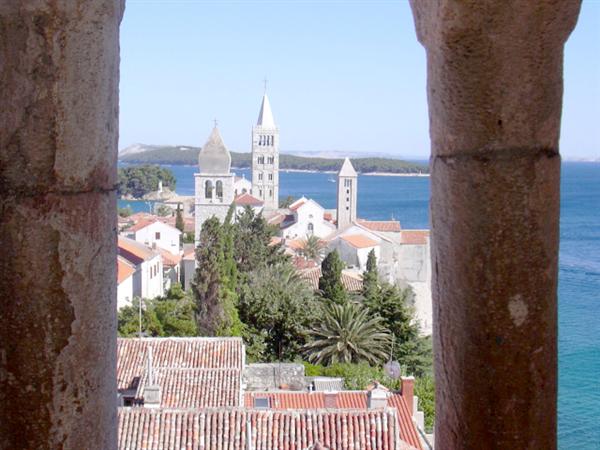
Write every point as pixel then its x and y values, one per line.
pixel 59 76
pixel 495 93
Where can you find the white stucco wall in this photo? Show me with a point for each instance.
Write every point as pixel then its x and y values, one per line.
pixel 125 292
pixel 161 234
pixel 151 278
pixel 309 212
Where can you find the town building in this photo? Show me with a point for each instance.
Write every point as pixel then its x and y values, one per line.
pixel 306 218
pixel 185 392
pixel 265 157
pixel 214 184
pixel 148 276
pixel 245 200
pixel 155 233
pixel 125 272
pixel 347 188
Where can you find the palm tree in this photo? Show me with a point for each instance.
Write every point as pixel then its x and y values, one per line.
pixel 313 248
pixel 346 333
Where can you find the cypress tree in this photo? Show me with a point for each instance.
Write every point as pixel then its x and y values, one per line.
pixel 371 289
pixel 330 283
pixel 179 218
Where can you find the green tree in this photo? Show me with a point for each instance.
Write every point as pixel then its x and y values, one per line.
pixel 371 278
pixel 313 248
pixel 348 333
pixel 410 349
pixel 216 313
pixel 286 202
pixel 179 224
pixel 128 320
pixel 125 212
pixel 277 308
pixel 356 376
pixel 137 181
pixel 176 312
pixel 425 390
pixel 163 211
pixel 253 248
pixel 330 283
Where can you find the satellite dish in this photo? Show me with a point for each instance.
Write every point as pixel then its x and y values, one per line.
pixel 392 369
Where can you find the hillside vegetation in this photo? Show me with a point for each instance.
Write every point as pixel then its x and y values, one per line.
pixel 189 156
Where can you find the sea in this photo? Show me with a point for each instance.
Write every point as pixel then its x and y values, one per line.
pixel 407 200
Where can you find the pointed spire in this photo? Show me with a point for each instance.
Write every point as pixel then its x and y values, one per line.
pixel 347 169
pixel 214 156
pixel 265 117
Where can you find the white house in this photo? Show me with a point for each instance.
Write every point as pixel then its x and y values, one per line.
pixel 354 250
pixel 188 267
pixel 155 233
pixel 148 276
pixel 125 271
pixel 307 218
pixel 241 185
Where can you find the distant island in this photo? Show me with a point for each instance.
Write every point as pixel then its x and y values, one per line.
pixel 153 154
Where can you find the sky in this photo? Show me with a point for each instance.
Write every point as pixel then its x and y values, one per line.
pixel 343 76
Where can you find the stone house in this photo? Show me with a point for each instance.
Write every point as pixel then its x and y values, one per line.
pixel 155 233
pixel 148 275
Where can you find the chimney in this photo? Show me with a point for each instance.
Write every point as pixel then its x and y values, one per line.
pixel 330 400
pixel 152 392
pixel 408 392
pixel 377 397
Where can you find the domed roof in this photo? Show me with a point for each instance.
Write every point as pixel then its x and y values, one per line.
pixel 214 156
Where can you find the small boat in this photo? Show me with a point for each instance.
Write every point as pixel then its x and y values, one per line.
pixel 331 180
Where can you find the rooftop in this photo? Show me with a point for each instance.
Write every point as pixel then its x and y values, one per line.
pixel 414 237
pixel 124 269
pixel 134 251
pixel 350 281
pixel 246 199
pixel 380 225
pixel 359 241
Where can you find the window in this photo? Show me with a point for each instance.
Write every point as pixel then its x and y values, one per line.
pixel 311 228
pixel 261 160
pixel 260 176
pixel 270 193
pixel 260 192
pixel 262 403
pixel 271 160
pixel 347 199
pixel 157 235
pixel 208 188
pixel 270 177
pixel 219 189
pixel 347 191
pixel 347 183
pixel 244 191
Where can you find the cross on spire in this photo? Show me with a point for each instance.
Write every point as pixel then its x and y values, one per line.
pixel 216 122
pixel 265 83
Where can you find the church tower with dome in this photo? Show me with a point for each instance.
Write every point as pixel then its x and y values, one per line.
pixel 214 185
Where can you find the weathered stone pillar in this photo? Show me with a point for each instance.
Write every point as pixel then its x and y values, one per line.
pixel 59 76
pixel 495 93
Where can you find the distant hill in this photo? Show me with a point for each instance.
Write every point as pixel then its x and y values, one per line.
pixel 156 154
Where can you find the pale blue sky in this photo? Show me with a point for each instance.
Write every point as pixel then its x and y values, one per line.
pixel 343 75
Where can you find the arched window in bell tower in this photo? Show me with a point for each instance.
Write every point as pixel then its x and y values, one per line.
pixel 208 188
pixel 219 189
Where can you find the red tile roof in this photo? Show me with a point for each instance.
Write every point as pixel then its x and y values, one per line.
pixel 351 282
pixel 175 353
pixel 297 204
pixel 141 224
pixel 169 259
pixel 124 269
pixel 134 251
pixel 414 237
pixel 359 241
pixel 246 199
pixel 195 388
pixel 380 225
pixel 286 400
pixel 208 429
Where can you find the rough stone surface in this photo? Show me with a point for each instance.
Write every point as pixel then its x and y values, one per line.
pixel 495 93
pixel 58 147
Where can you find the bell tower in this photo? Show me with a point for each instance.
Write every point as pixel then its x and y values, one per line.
pixel 346 194
pixel 265 157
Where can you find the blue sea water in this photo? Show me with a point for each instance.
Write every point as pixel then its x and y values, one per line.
pixel 407 199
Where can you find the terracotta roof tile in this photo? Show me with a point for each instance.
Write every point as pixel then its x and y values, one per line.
pixel 295 206
pixel 175 353
pixel 352 283
pixel 414 237
pixel 169 259
pixel 133 251
pixel 357 400
pixel 208 429
pixel 124 269
pixel 247 199
pixel 380 225
pixel 359 241
pixel 141 224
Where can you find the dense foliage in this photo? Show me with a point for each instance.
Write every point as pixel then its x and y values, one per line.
pixel 278 306
pixel 214 286
pixel 425 390
pixel 189 156
pixel 348 333
pixel 330 283
pixel 138 181
pixel 170 315
pixel 313 248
